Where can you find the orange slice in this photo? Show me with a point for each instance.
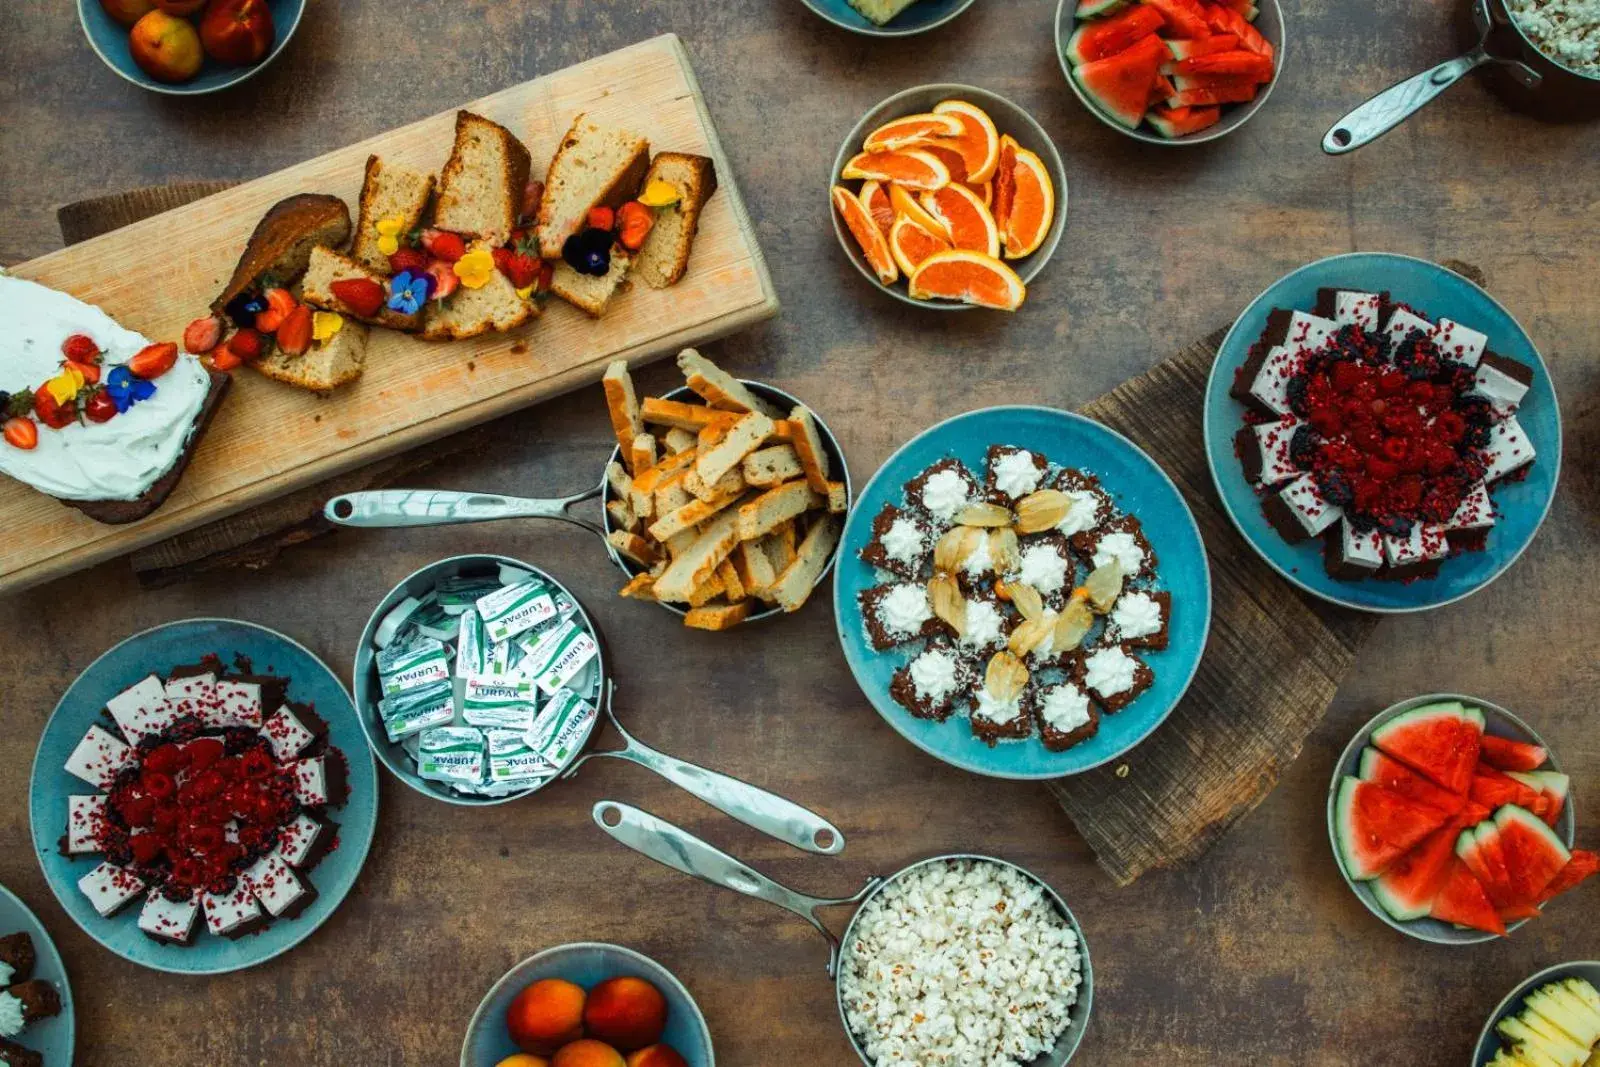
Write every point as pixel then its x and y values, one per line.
pixel 978 143
pixel 1033 205
pixel 911 131
pixel 858 220
pixel 985 191
pixel 970 277
pixel 965 218
pixel 910 244
pixel 905 203
pixel 1005 182
pixel 953 161
pixel 874 196
pixel 911 167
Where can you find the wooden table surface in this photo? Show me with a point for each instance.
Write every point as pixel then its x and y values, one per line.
pixel 1257 954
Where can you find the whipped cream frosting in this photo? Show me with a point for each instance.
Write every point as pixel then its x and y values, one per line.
pixel 904 609
pixel 1136 615
pixel 1083 515
pixel 11 1020
pixel 1122 547
pixel 114 460
pixel 1043 568
pixel 983 624
pixel 979 560
pixel 1016 474
pixel 903 541
pixel 933 674
pixel 997 711
pixel 1065 707
pixel 945 493
pixel 1109 671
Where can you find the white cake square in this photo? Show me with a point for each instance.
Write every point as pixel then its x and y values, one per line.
pixel 235 703
pixel 1509 449
pixel 1306 503
pixel 274 884
pixel 1460 343
pixel 141 709
pixel 109 887
pixel 287 735
pixel 1502 391
pixel 98 757
pixel 1403 324
pixel 1308 332
pixel 1273 439
pixel 311 781
pixel 192 695
pixel 226 913
pixel 1271 383
pixel 1351 308
pixel 1362 549
pixel 85 817
pixel 168 920
pixel 1476 511
pixel 296 840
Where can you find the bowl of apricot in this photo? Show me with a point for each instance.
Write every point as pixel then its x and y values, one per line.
pixel 588 1005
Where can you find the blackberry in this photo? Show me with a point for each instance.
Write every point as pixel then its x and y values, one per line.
pixel 1395 525
pixel 1335 488
pixel 1477 435
pixel 1416 357
pixel 1295 391
pixel 1476 410
pixel 237 738
pixel 1302 448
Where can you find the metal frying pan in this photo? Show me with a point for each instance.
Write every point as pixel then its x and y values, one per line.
pixel 682 851
pixel 382 508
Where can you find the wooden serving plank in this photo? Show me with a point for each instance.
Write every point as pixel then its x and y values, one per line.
pixel 271 439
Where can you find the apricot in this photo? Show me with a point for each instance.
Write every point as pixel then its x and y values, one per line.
pixel 166 47
pixel 127 12
pixel 588 1053
pixel 628 1012
pixel 657 1056
pixel 522 1059
pixel 546 1015
pixel 180 7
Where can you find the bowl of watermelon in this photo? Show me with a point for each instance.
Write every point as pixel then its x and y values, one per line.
pixel 1452 822
pixel 1171 71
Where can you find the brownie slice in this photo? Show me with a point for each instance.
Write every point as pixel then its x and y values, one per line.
pixel 1082 487
pixel 897 598
pixel 988 625
pixel 1055 700
pixel 16 951
pixel 1015 460
pixel 39 999
pixel 892 530
pixel 1098 670
pixel 1121 529
pixel 941 511
pixel 14 1055
pixel 1046 564
pixel 929 685
pixel 991 732
pixel 1128 624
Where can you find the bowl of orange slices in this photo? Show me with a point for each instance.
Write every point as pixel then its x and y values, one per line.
pixel 949 197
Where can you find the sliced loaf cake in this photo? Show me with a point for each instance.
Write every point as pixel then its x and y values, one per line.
pixel 480 188
pixel 327 267
pixel 280 246
pixel 325 366
pixel 665 253
pixel 390 191
pixel 588 292
pixel 469 312
pixel 595 165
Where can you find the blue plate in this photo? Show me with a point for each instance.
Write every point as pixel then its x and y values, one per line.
pixel 158 650
pixel 52 1038
pixel 920 17
pixel 586 964
pixel 1139 487
pixel 1435 292
pixel 1489 1042
pixel 109 39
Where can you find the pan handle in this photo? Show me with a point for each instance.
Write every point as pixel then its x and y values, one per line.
pixel 1397 103
pixel 437 507
pixel 677 848
pixel 758 809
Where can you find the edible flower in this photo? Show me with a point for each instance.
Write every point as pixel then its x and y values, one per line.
pixel 127 389
pixel 324 324
pixel 408 292
pixel 64 386
pixel 526 291
pixel 660 194
pixel 476 267
pixel 389 234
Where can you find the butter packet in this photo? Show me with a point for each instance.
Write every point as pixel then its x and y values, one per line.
pixel 431 620
pixel 503 657
pixel 415 710
pixel 510 610
pixel 562 727
pixel 472 645
pixel 412 665
pixel 461 592
pixel 396 622
pixel 515 765
pixel 502 701
pixel 453 755
pixel 567 653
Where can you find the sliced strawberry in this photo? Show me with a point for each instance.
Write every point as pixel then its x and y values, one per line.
pixel 152 361
pixel 245 345
pixel 80 348
pixel 202 335
pixel 444 244
pixel 363 296
pixel 445 279
pixel 22 433
pixel 294 336
pixel 602 218
pixel 414 260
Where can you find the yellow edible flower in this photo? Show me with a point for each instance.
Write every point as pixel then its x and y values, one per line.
pixel 525 292
pixel 324 324
pixel 389 234
pixel 64 386
pixel 476 267
pixel 660 194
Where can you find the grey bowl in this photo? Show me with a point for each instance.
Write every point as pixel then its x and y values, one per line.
pixel 1008 118
pixel 1489 1041
pixel 586 964
pixel 364 677
pixel 1269 23
pixel 920 17
pixel 1497 721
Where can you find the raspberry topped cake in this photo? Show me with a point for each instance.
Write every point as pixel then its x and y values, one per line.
pixel 1379 431
pixel 209 807
pixel 999 588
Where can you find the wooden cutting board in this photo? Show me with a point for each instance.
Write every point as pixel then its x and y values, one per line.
pixel 269 438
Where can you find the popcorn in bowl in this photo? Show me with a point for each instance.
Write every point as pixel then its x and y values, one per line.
pixel 964 963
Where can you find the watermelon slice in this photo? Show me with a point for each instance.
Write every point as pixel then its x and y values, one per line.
pixel 1473 813
pixel 1514 913
pixel 1534 854
pixel 1182 121
pixel 1508 755
pixel 1581 867
pixel 1203 46
pixel 1497 881
pixel 1222 20
pixel 1120 84
pixel 1238 63
pixel 1462 901
pixel 1392 774
pixel 1088 9
pixel 1439 740
pixel 1108 36
pixel 1496 789
pixel 1471 853
pixel 1373 826
pixel 1407 889
pixel 1160 89
pixel 1221 82
pixel 1553 786
pixel 1209 97
pixel 1185 18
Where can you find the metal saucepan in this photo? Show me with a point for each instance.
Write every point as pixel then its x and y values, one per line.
pixel 755 807
pixel 1538 81
pixel 382 508
pixel 682 851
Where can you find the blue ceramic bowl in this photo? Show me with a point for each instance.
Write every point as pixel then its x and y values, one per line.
pixel 52 1038
pixel 1436 292
pixel 159 650
pixel 586 964
pixel 1489 1042
pixel 109 39
pixel 1497 721
pixel 920 17
pixel 1135 482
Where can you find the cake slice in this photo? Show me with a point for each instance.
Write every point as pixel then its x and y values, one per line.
pixel 326 268
pixel 326 365
pixel 390 191
pixel 595 165
pixel 480 188
pixel 586 292
pixel 280 247
pixel 469 312
pixel 665 254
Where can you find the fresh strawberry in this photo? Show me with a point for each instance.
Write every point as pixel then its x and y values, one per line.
pixel 80 348
pixel 223 359
pixel 90 371
pixel 521 268
pixel 532 193
pixel 636 222
pixel 361 295
pixel 444 244
pixel 21 433
pixel 414 260
pixel 246 344
pixel 152 361
pixel 445 279
pixel 202 335
pixel 602 218
pixel 100 407
pixel 53 414
pixel 279 303
pixel 294 336
pixel 547 274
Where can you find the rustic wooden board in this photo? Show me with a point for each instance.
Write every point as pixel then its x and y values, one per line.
pixel 270 439
pixel 1272 664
